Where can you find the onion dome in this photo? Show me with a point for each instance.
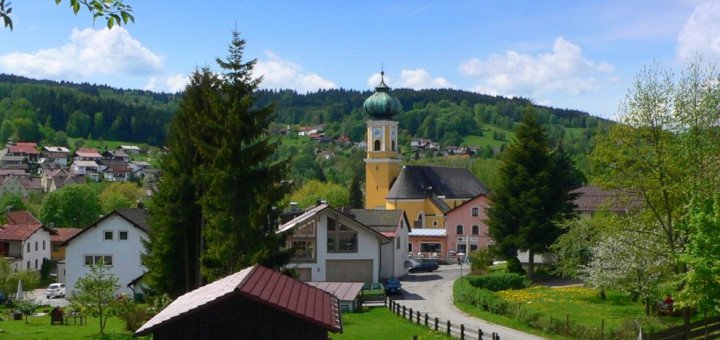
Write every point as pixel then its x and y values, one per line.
pixel 382 104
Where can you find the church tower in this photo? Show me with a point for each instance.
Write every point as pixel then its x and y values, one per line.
pixel 382 165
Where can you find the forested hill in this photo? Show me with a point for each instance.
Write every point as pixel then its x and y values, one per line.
pixel 43 111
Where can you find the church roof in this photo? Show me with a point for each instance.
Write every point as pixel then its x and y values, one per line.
pixel 419 182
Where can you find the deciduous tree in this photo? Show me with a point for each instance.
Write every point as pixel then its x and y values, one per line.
pixel 94 293
pixel 115 12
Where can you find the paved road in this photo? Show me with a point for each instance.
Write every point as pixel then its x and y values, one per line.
pixel 432 293
pixel 39 296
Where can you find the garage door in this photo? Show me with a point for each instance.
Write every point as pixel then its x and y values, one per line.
pixel 349 270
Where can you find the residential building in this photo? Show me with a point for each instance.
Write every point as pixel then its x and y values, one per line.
pixel 115 239
pixel 25 241
pixel 331 246
pixel 129 149
pixel 57 250
pixel 86 154
pixel 13 186
pixel 466 228
pixel 28 150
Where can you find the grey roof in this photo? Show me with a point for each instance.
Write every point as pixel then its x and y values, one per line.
pixel 418 182
pixel 136 216
pixel 379 220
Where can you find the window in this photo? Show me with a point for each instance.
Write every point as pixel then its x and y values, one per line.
pixel 56 247
pixel 459 229
pixel 434 223
pixel 43 244
pixel 97 259
pixel 36 264
pixel 376 146
pixel 28 265
pixel 28 247
pixel 304 242
pixel 475 211
pixel 340 238
pixel 122 235
pixel 409 247
pixel 36 246
pixel 108 236
pixel 476 230
pixel 431 247
pixel 397 243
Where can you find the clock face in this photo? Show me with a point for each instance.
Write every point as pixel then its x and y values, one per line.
pixel 377 132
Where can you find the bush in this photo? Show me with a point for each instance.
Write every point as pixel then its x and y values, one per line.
pixel 498 282
pixel 484 299
pixel 480 259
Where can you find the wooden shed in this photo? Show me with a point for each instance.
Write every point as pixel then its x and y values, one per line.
pixel 254 303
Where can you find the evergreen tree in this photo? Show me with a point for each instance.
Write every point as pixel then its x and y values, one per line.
pixel 356 195
pixel 176 216
pixel 215 212
pixel 531 195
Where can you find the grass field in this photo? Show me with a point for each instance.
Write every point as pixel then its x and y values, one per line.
pixel 576 305
pixel 487 138
pixel 380 323
pixel 38 327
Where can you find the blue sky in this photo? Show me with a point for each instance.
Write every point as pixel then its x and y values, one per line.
pixel 570 54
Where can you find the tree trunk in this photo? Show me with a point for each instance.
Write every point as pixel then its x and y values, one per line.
pixel 531 265
pixel 602 294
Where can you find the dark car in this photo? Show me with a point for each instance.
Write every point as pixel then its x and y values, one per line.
pixel 424 267
pixel 392 286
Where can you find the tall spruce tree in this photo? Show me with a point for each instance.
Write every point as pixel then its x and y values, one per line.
pixel 532 194
pixel 215 212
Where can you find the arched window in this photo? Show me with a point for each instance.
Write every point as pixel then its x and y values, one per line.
pixel 393 145
pixel 376 146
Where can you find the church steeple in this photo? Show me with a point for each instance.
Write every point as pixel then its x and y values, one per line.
pixel 382 165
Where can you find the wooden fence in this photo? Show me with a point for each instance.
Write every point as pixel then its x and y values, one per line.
pixel 456 330
pixel 708 328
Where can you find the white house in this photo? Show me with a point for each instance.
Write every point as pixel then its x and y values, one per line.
pixel 117 240
pixel 25 241
pixel 331 246
pixel 394 225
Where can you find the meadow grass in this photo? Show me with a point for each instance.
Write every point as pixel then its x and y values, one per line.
pixel 38 327
pixel 381 323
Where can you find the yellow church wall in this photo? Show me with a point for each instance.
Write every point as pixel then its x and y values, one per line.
pixel 378 178
pixel 433 217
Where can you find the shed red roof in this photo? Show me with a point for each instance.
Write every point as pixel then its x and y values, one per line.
pixel 264 286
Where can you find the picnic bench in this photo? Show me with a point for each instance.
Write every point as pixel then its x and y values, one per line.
pixel 75 317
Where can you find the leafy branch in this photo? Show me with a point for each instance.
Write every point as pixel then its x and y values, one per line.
pixel 114 12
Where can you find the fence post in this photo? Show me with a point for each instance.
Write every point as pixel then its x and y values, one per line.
pixel 462 332
pixel 410 315
pixel 448 327
pixel 480 334
pixel 426 319
pixel 418 317
pixel 436 323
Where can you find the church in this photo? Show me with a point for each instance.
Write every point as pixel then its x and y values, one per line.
pixel 427 194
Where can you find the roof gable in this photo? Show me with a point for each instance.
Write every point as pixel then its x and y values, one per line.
pixel 386 222
pixel 322 207
pixel 262 285
pixel 136 216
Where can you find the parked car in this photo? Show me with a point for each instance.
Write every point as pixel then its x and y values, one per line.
pixel 55 290
pixel 392 286
pixel 424 267
pixel 410 263
pixel 373 291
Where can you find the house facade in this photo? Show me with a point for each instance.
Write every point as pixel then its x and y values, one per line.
pixel 117 240
pixel 331 246
pixel 466 228
pixel 25 241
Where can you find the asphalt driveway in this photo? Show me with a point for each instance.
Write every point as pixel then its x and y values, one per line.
pixel 432 293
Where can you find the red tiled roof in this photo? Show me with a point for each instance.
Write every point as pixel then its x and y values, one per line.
pixel 18 232
pixel 31 183
pixel 264 286
pixel 26 148
pixel 22 217
pixel 88 152
pixel 64 234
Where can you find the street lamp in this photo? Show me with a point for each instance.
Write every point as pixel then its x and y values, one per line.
pixel 461 259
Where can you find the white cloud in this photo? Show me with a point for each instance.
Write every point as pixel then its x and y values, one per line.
pixel 176 82
pixel 563 70
pixel 701 33
pixel 282 74
pixel 420 79
pixel 89 53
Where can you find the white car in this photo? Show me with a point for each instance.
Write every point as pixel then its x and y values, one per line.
pixel 55 290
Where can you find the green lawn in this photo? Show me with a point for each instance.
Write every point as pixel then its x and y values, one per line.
pixel 578 305
pixel 487 138
pixel 381 323
pixel 38 327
